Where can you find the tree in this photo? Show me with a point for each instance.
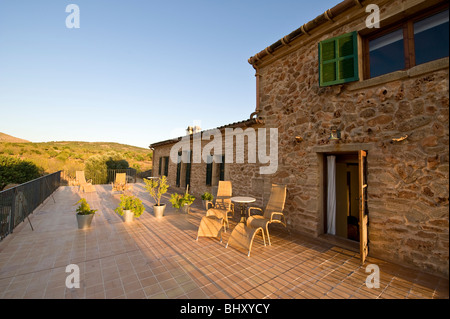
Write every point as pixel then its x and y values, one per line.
pixel 96 167
pixel 17 171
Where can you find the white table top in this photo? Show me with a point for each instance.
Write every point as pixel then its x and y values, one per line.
pixel 243 199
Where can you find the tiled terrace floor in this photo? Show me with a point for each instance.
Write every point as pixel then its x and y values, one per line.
pixel 159 258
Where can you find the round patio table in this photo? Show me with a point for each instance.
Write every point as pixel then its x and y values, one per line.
pixel 243 201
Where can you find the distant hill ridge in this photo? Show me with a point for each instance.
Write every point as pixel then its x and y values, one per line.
pixel 70 156
pixel 11 139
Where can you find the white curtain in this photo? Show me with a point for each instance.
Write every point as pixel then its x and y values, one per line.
pixel 331 200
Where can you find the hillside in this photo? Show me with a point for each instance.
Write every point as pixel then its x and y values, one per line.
pixel 11 139
pixel 70 156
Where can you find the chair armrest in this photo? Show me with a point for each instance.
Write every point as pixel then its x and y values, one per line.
pixel 276 213
pixel 208 204
pixel 254 208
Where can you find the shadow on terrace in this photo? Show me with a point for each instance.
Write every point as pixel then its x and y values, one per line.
pixel 160 258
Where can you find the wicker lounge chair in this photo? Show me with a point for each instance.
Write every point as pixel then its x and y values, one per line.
pixel 120 184
pixel 210 226
pixel 273 212
pixel 223 205
pixel 243 234
pixel 83 185
pixel 242 237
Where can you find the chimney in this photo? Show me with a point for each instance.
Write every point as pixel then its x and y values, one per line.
pixel 193 129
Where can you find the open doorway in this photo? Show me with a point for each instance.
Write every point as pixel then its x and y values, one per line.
pixel 345 199
pixel 342 195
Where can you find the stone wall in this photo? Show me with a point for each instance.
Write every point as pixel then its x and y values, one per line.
pixel 408 178
pixel 245 177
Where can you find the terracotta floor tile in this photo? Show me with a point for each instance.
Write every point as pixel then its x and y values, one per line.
pixel 196 294
pixel 159 259
pixel 153 290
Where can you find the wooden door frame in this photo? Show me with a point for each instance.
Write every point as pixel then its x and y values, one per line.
pixel 324 175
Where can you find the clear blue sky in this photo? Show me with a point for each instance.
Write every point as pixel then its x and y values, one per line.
pixel 135 72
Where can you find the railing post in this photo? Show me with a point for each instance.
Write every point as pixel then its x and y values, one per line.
pixel 12 219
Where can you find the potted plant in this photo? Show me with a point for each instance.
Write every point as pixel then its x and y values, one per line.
pixel 130 206
pixel 207 199
pixel 182 201
pixel 156 188
pixel 84 214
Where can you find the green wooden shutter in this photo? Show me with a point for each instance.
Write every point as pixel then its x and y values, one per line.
pixel 222 169
pixel 178 169
pixel 166 167
pixel 338 60
pixel 188 168
pixel 159 168
pixel 209 170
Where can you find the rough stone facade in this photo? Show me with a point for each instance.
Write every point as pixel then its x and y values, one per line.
pixel 408 180
pixel 245 177
pixel 400 119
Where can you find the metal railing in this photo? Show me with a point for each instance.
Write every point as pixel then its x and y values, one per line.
pixel 111 175
pixel 68 178
pixel 18 202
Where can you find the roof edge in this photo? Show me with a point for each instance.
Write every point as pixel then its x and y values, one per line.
pixel 305 29
pixel 245 123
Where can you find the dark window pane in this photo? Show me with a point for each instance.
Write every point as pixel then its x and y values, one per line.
pixel 387 53
pixel 431 38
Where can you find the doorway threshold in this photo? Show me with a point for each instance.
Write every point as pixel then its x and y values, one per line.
pixel 340 242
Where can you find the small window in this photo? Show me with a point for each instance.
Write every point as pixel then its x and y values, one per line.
pixel 338 60
pixel 183 169
pixel 163 165
pixel 418 40
pixel 387 53
pixel 431 38
pixel 215 169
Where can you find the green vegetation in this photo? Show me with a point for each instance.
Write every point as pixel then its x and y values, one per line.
pixel 51 157
pixel 17 171
pixel 207 196
pixel 156 188
pixel 96 167
pixel 84 208
pixel 178 200
pixel 129 202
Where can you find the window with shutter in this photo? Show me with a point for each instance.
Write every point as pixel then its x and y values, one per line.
pixel 209 170
pixel 159 168
pixel 178 183
pixel 188 168
pixel 166 166
pixel 222 169
pixel 338 60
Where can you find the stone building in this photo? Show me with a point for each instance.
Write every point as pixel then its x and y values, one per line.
pixel 361 112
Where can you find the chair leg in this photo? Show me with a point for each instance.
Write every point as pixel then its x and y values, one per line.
pixel 264 238
pixel 268 236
